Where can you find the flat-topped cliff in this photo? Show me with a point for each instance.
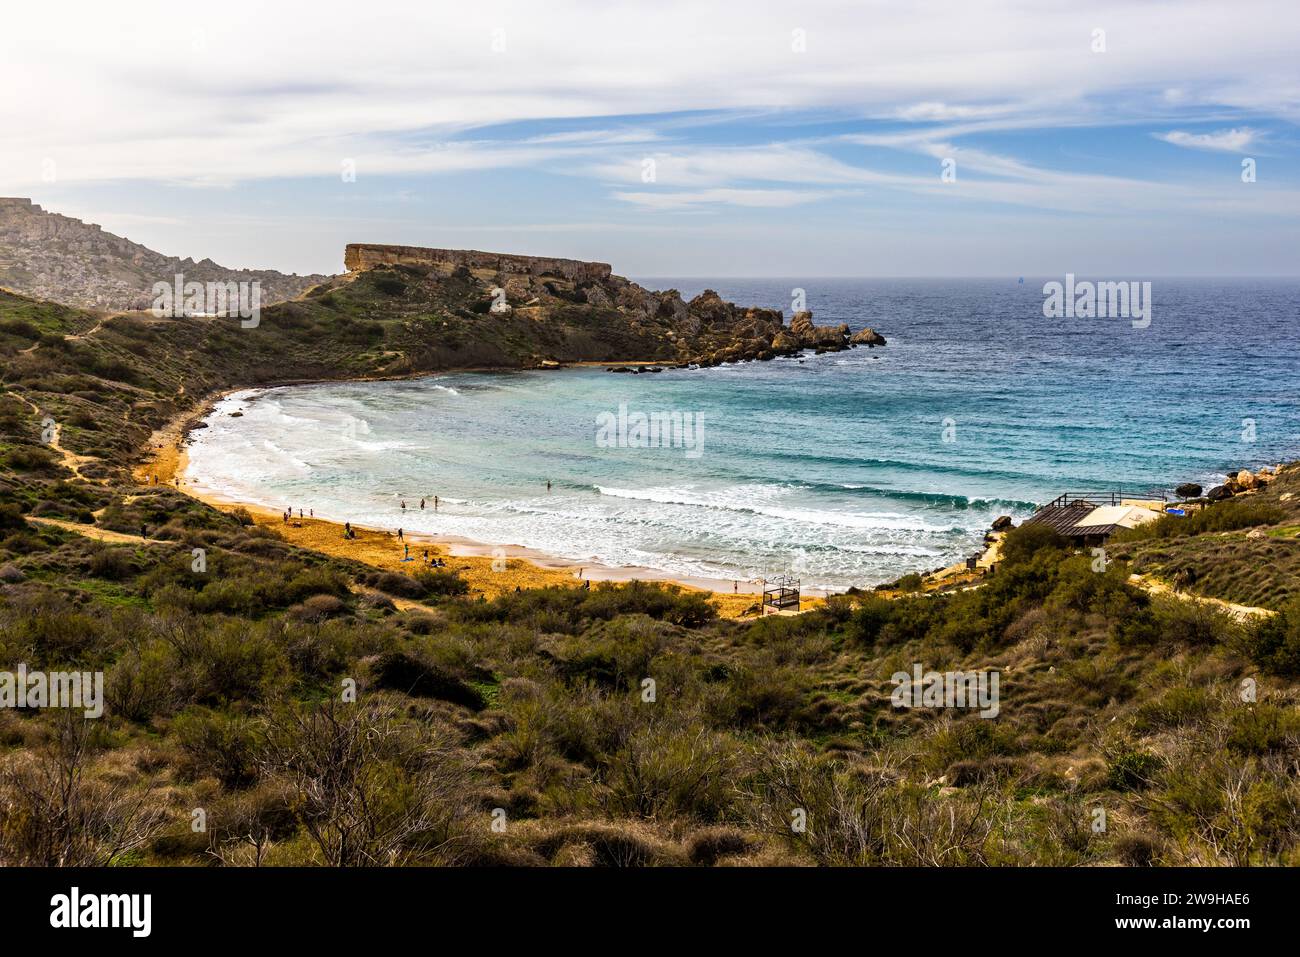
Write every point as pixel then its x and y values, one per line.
pixel 368 255
pixel 605 316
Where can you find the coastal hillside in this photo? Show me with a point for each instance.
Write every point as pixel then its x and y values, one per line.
pixel 319 709
pixel 50 256
pixel 111 381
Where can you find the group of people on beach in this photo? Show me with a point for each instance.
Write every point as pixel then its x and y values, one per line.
pixel 435 504
pixel 425 559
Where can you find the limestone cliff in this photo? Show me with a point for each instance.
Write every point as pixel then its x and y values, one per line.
pixel 648 325
pixel 49 256
pixel 366 255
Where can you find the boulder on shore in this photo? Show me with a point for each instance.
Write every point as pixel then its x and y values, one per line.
pixel 1188 490
pixel 1001 523
pixel 1219 493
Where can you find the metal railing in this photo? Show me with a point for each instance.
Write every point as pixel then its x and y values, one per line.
pixel 781 592
pixel 1104 498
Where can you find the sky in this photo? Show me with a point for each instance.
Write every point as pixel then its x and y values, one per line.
pixel 929 138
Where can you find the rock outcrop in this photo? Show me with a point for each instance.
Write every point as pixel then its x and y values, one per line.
pixel 49 256
pixel 358 256
pixel 825 338
pixel 647 325
pixel 867 337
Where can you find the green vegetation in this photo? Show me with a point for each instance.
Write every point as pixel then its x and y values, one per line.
pixel 1244 550
pixel 318 711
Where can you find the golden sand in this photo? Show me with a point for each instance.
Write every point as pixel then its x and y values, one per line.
pixel 485 575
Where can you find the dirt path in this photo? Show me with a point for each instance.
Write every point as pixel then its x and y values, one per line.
pixel 1154 586
pixel 80 335
pixel 69 460
pixel 99 534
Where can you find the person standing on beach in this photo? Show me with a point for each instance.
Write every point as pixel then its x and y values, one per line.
pixel 399 535
pixel 403 505
pixel 435 503
pixel 421 504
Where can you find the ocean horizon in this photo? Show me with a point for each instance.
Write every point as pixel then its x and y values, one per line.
pixel 842 469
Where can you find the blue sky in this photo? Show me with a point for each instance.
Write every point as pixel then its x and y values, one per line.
pixel 672 139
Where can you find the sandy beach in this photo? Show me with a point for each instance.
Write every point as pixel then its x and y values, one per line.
pixel 488 569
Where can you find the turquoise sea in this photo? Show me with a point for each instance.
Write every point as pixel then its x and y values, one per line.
pixel 846 468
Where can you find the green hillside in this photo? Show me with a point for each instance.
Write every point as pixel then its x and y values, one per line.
pixel 1130 729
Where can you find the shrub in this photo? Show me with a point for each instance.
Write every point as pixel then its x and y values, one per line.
pixel 139 686
pixel 710 845
pixel 1274 643
pixel 11 517
pixel 1179 622
pixel 911 582
pixel 218 744
pixel 319 608
pixel 1220 517
pixel 1132 770
pixel 869 619
pixel 226 661
pixel 113 564
pixel 440 583
pixel 1262 729
pixel 27 459
pixel 667 771
pixel 1139 849
pixel 402 672
pixel 1022 543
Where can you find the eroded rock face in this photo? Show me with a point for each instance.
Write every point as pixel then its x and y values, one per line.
pixel 818 337
pixel 706 331
pixel 49 256
pixel 359 256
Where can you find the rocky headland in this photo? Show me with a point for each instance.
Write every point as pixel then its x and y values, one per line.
pixel 704 331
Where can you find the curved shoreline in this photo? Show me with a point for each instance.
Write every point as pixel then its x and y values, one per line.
pixel 479 562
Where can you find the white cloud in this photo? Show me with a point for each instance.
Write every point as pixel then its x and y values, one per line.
pixel 1223 141
pixel 754 198
pixel 250 90
pixel 712 166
